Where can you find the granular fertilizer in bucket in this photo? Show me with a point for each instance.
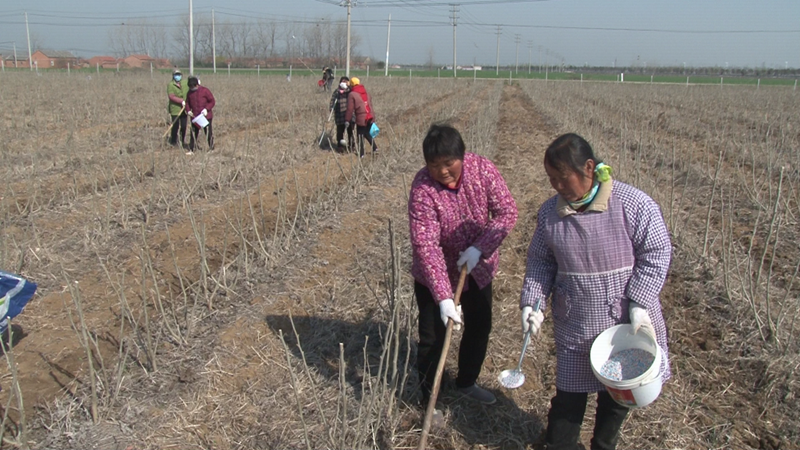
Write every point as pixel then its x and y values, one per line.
pixel 627 364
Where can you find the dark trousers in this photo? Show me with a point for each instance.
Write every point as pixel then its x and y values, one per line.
pixel 181 122
pixel 476 305
pixel 566 416
pixel 340 135
pixel 196 132
pixel 363 134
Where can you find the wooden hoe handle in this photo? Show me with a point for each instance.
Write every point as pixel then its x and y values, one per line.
pixel 173 122
pixel 437 381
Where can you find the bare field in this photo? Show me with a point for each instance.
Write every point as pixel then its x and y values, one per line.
pixel 258 296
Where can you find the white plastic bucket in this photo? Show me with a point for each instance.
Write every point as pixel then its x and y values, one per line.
pixel 635 392
pixel 200 121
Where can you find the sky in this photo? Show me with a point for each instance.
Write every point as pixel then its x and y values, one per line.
pixel 632 33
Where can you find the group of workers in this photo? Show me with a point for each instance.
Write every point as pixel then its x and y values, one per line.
pixel 598 257
pixel 193 102
pixel 350 102
pixel 352 107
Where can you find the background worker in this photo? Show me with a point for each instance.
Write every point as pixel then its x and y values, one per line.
pixel 602 249
pixel 359 107
pixel 327 78
pixel 459 211
pixel 176 91
pixel 200 101
pixel 339 107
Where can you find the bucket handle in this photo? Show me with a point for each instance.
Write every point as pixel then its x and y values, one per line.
pixel 656 373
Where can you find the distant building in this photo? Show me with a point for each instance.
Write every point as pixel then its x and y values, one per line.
pixel 139 61
pixel 103 62
pixel 22 61
pixel 53 59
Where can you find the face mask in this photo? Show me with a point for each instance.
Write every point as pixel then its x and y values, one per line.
pixel 343 85
pixel 176 77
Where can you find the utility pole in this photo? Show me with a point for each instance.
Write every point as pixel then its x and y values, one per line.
pixel 540 59
pixel 213 42
pixel 347 67
pixel 455 21
pixel 530 51
pixel 516 63
pixel 388 35
pixel 15 54
pixel 497 64
pixel 191 40
pixel 28 32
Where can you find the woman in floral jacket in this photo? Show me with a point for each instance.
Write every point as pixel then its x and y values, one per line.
pixel 460 211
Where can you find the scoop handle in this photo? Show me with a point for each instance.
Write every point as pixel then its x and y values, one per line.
pixel 525 343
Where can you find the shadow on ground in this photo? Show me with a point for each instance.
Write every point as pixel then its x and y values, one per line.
pixel 502 425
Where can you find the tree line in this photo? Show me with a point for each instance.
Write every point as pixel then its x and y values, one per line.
pixel 237 41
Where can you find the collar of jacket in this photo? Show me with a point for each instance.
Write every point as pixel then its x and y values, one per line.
pixel 599 204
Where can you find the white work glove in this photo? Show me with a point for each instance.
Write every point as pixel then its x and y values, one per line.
pixel 470 257
pixel 183 103
pixel 204 112
pixel 640 318
pixel 189 113
pixel 531 320
pixel 347 125
pixel 448 310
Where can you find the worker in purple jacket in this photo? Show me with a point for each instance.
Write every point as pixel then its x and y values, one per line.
pixel 459 212
pixel 601 252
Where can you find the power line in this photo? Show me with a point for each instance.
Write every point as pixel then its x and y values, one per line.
pixel 389 3
pixel 105 20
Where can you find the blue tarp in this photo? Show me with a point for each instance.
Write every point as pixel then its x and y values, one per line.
pixel 15 292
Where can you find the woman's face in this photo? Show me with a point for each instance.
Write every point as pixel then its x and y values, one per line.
pixel 570 185
pixel 446 170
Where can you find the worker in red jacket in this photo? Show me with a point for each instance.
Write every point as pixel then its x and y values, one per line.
pixel 359 110
pixel 199 105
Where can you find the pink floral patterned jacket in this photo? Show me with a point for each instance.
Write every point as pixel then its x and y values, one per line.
pixel 444 222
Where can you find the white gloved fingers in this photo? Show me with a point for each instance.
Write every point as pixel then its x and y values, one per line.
pixel 531 320
pixel 457 325
pixel 448 310
pixel 470 257
pixel 640 318
pixel 526 311
pixel 204 112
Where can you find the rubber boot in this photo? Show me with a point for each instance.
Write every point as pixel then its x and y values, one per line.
pixel 564 420
pixel 608 421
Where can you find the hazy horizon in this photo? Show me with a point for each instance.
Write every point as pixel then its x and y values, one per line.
pixel 577 32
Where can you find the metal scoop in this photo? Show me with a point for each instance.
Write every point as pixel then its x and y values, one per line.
pixel 514 378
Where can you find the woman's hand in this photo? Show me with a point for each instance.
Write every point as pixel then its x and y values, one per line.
pixel 449 310
pixel 531 320
pixel 470 257
pixel 640 318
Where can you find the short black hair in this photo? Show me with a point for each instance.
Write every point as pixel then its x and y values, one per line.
pixel 569 152
pixel 442 141
pixel 344 79
pixel 193 81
